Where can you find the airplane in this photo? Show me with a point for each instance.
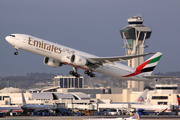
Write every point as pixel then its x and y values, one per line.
pixel 8 109
pixel 148 107
pixel 136 116
pixel 33 108
pixel 56 55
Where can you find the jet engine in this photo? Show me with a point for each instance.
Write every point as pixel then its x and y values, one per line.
pixel 51 62
pixel 78 60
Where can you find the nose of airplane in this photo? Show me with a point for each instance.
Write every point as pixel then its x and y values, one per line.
pixel 6 37
pixel 9 39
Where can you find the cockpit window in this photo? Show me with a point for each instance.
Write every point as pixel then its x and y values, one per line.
pixel 12 35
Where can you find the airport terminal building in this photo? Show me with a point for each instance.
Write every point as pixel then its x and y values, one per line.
pixel 84 98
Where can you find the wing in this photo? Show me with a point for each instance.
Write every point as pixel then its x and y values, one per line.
pixel 105 60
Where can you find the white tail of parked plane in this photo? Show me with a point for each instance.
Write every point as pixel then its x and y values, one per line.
pixel 23 99
pixel 33 108
pixel 142 97
pixel 148 101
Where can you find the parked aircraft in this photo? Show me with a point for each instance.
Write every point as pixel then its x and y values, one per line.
pixel 56 55
pixel 33 108
pixel 6 109
pixel 148 107
pixel 10 109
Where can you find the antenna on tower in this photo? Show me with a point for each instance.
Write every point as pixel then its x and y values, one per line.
pixel 139 15
pixel 7 83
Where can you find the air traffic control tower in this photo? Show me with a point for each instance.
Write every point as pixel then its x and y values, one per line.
pixel 134 36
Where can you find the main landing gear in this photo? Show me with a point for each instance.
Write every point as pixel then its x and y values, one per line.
pixel 89 73
pixel 74 73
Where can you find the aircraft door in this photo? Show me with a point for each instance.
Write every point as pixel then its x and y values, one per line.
pixel 24 39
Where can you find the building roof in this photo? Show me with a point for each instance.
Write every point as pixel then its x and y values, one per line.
pixel 34 89
pixel 61 95
pixel 11 90
pixel 42 96
pixel 165 85
pixel 46 88
pixel 49 95
pixel 80 95
pixel 60 76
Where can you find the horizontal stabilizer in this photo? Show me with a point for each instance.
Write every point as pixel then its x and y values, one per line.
pixel 156 76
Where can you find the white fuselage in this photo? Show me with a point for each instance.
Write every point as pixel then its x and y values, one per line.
pixel 32 108
pixel 59 52
pixel 156 108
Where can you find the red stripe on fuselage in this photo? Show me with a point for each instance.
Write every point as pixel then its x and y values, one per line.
pixel 138 69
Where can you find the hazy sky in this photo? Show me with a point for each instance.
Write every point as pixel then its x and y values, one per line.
pixel 88 25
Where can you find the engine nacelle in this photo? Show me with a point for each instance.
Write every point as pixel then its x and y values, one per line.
pixel 78 60
pixel 51 62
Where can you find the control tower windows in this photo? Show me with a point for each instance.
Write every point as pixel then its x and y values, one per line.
pixel 135 22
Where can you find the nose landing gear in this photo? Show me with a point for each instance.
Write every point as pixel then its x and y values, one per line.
pixel 16 53
pixel 16 50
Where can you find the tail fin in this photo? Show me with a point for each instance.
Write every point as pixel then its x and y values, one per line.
pixel 138 114
pixel 142 97
pixel 148 101
pixel 23 99
pixel 149 65
pixel 178 98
